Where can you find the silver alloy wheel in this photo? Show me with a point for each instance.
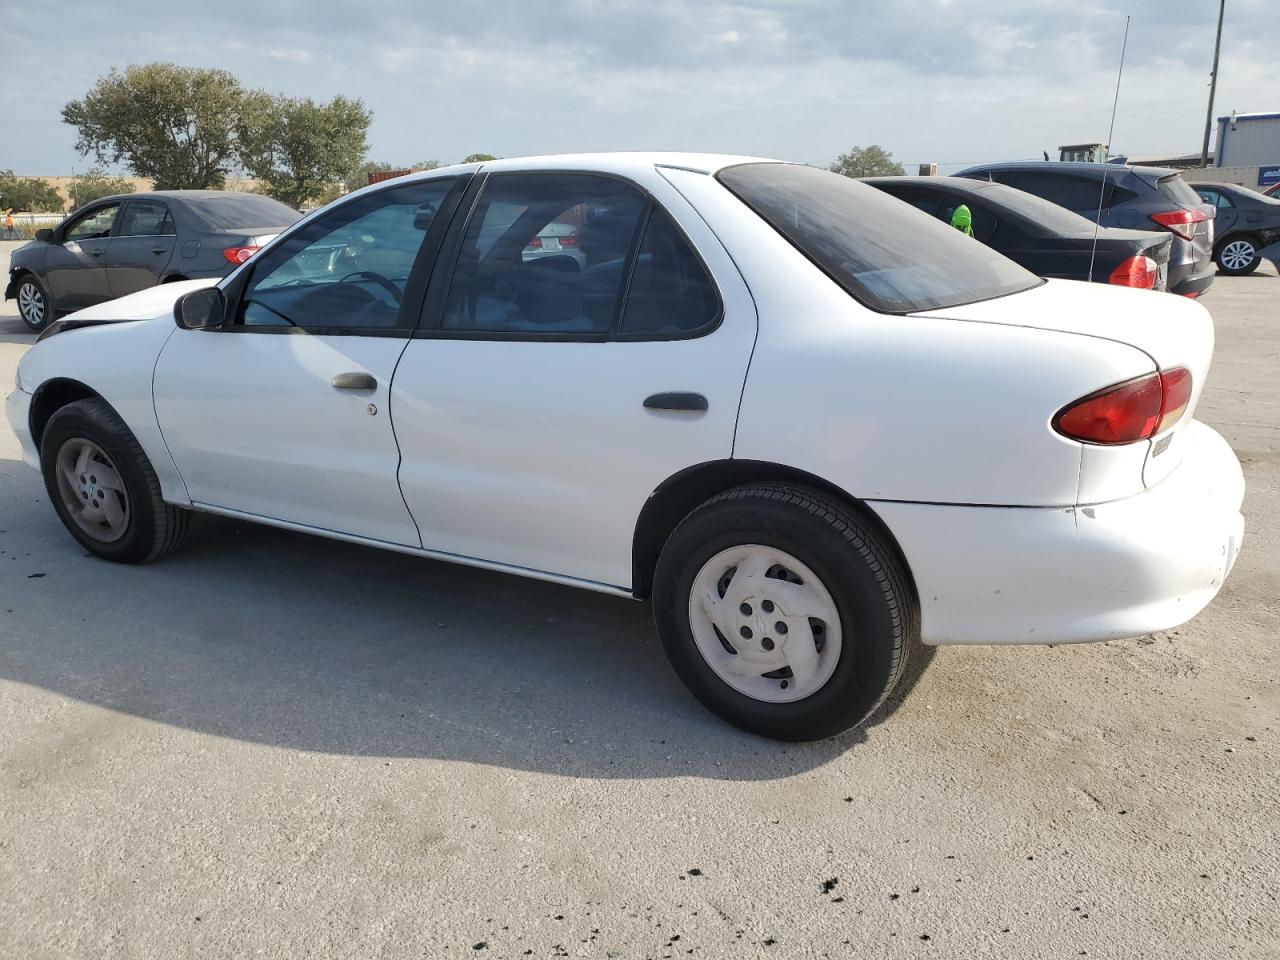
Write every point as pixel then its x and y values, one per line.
pixel 1237 254
pixel 765 623
pixel 31 304
pixel 92 490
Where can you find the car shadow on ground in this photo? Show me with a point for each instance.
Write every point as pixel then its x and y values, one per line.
pixel 288 640
pixel 13 330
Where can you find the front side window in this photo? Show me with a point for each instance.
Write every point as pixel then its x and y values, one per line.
pixel 348 268
pixel 145 218
pixel 544 254
pixel 885 254
pixel 94 225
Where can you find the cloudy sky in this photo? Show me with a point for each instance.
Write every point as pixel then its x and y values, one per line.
pixel 950 81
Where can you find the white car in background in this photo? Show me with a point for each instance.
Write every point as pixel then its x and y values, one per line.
pixel 812 424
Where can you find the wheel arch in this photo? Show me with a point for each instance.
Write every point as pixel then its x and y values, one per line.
pixel 677 496
pixel 50 397
pixel 174 278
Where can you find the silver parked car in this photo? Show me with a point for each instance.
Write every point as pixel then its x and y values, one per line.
pixel 119 245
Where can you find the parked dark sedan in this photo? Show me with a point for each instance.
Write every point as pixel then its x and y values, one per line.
pixel 1041 236
pixel 119 245
pixel 1247 222
pixel 1131 197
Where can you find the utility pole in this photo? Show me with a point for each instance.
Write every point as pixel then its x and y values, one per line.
pixel 1213 86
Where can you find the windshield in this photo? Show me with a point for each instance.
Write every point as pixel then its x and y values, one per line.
pixel 885 253
pixel 235 211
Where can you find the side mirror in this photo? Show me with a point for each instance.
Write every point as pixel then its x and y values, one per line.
pixel 44 235
pixel 200 310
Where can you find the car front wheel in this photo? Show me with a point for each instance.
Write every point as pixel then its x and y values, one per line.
pixel 1238 257
pixel 784 611
pixel 33 303
pixel 103 486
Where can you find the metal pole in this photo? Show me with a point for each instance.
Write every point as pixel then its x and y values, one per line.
pixel 1213 87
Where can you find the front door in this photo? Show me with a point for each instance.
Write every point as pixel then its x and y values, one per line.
pixel 554 387
pixel 76 268
pixel 284 413
pixel 141 245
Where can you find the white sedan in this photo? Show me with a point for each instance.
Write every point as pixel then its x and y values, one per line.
pixel 813 425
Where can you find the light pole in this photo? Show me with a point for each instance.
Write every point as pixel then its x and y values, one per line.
pixel 1213 87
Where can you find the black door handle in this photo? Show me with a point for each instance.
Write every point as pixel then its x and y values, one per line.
pixel 684 402
pixel 354 381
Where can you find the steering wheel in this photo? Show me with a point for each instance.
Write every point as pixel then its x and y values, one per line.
pixel 377 278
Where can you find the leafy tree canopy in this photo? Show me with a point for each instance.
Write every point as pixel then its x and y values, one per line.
pixel 28 194
pixel 299 149
pixel 872 161
pixel 94 184
pixel 478 157
pixel 174 125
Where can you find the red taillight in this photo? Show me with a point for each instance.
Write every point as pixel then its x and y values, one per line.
pixel 1139 271
pixel 569 240
pixel 1181 222
pixel 1134 410
pixel 534 244
pixel 239 255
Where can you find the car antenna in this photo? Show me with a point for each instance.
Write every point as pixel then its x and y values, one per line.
pixel 1102 192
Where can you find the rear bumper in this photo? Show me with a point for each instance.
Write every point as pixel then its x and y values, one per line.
pixel 1187 283
pixel 1077 574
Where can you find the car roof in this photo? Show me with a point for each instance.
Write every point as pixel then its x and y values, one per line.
pixel 181 195
pixel 1069 166
pixel 623 163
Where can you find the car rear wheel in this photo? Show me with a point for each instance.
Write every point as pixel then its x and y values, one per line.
pixel 1238 256
pixel 784 611
pixel 103 487
pixel 33 303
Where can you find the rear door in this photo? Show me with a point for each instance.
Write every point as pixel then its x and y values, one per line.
pixel 546 397
pixel 76 268
pixel 141 246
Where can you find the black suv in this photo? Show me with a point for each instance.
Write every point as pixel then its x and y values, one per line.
pixel 1136 198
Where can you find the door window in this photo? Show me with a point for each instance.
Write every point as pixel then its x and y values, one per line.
pixel 94 225
pixel 670 293
pixel 145 218
pixel 347 269
pixel 544 254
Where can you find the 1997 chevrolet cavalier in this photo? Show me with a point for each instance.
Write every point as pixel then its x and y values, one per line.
pixel 814 425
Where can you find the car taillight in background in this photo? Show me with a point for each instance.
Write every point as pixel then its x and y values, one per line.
pixel 1181 222
pixel 1135 410
pixel 569 240
pixel 534 244
pixel 238 255
pixel 1141 272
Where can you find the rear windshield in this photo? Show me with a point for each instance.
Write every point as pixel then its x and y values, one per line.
pixel 885 253
pixel 1178 191
pixel 235 211
pixel 1052 218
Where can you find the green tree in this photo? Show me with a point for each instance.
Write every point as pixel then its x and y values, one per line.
pixel 872 161
pixel 302 150
pixel 94 184
pixel 174 125
pixel 29 194
pixel 478 158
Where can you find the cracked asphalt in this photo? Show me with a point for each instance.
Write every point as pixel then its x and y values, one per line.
pixel 277 746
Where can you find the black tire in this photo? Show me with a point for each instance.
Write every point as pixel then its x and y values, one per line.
pixel 153 527
pixel 878 609
pixel 1237 245
pixel 35 293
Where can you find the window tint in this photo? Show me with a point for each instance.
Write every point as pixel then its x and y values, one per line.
pixel 544 253
pixel 348 268
pixel 1038 212
pixel 94 225
pixel 889 256
pixel 670 292
pixel 1066 190
pixel 235 211
pixel 145 218
pixel 1177 191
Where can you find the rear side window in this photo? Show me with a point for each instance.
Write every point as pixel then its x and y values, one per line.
pixel 885 254
pixel 670 292
pixel 145 218
pixel 1066 190
pixel 238 211
pixel 1177 191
